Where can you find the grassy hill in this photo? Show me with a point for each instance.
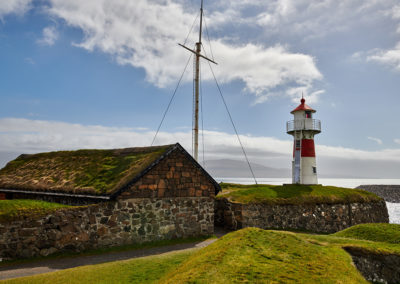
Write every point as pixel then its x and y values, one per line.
pixel 249 255
pixel 293 194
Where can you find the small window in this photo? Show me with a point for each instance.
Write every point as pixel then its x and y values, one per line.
pixel 308 114
pixel 314 170
pixel 297 143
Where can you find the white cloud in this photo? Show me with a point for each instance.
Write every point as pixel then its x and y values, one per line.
pixel 308 19
pixel 377 140
pixel 145 34
pixel 29 60
pixel 397 141
pixel 49 36
pixel 389 57
pixel 18 7
pixel 24 135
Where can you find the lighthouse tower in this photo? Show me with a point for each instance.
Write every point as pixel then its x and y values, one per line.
pixel 303 128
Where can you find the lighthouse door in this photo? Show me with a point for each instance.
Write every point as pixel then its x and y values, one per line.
pixel 297 166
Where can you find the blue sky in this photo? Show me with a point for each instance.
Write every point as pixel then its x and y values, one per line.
pixel 99 74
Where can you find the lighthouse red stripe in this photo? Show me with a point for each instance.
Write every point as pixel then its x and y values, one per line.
pixel 307 148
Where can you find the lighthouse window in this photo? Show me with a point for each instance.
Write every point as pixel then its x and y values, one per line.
pixel 314 170
pixel 308 114
pixel 297 143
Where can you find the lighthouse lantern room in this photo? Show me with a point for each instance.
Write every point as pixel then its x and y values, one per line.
pixel 303 128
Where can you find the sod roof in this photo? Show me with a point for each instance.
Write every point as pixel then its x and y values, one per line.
pixel 293 194
pixel 90 172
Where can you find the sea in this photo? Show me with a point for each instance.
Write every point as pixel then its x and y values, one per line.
pixel 393 208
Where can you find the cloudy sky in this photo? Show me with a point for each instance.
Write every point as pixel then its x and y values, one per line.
pixel 99 74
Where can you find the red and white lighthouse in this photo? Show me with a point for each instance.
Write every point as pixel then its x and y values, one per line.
pixel 303 128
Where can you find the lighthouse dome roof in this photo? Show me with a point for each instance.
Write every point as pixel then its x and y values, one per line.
pixel 303 107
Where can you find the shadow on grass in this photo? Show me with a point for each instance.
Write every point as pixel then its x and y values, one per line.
pixel 288 191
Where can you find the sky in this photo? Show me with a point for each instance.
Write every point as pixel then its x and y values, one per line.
pixel 99 74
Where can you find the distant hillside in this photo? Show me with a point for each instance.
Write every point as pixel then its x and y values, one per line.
pixel 235 168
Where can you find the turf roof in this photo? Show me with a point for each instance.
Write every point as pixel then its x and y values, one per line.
pixel 93 172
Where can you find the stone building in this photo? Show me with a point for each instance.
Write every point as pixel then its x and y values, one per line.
pixel 132 195
pixel 93 176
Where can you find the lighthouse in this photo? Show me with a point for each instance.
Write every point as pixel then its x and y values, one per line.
pixel 303 128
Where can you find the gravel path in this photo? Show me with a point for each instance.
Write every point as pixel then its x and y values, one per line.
pixel 44 266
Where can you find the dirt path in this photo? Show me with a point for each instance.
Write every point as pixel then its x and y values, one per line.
pixel 44 266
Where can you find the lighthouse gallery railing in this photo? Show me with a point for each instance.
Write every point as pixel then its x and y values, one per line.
pixel 305 124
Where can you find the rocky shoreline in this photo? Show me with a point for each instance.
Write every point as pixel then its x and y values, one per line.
pixel 391 193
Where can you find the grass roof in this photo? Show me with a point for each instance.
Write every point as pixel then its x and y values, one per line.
pixel 95 172
pixel 293 194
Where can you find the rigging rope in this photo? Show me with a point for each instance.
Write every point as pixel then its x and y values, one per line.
pixel 191 28
pixel 170 101
pixel 208 38
pixel 233 124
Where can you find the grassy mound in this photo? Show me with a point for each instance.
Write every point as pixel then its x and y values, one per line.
pixel 254 255
pixel 388 233
pixel 18 208
pixel 293 194
pixel 249 255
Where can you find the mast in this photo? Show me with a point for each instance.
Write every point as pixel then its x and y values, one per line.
pixel 198 54
pixel 196 89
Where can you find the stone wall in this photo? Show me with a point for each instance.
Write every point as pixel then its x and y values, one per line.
pixel 107 224
pixel 324 218
pixel 377 268
pixel 391 193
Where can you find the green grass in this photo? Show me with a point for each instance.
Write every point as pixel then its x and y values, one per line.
pixel 116 249
pixel 254 255
pixel 293 194
pixel 82 171
pixel 143 270
pixel 250 255
pixel 19 208
pixel 387 233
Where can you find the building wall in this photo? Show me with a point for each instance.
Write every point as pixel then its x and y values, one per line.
pixel 107 224
pixel 323 218
pixel 175 176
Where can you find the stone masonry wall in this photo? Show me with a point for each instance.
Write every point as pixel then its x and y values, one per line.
pixel 107 224
pixel 325 218
pixel 377 268
pixel 175 176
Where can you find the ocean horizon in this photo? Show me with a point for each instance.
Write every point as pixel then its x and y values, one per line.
pixel 393 208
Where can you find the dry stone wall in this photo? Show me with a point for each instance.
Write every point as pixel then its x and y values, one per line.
pixel 107 224
pixel 323 218
pixel 377 268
